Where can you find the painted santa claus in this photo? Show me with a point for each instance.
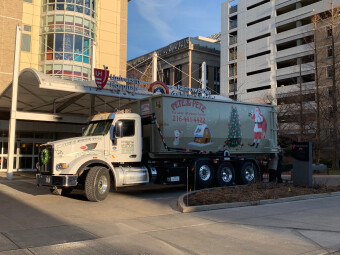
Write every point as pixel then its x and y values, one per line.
pixel 259 127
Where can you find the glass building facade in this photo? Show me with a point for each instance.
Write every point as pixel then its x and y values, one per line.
pixel 68 30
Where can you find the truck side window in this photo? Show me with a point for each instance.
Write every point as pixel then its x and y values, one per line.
pixel 128 127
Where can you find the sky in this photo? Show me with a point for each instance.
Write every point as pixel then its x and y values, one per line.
pixel 153 24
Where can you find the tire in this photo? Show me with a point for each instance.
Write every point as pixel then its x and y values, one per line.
pixel 97 184
pixel 205 173
pixel 225 175
pixel 248 172
pixel 61 191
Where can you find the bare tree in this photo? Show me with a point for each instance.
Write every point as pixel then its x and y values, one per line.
pixel 327 60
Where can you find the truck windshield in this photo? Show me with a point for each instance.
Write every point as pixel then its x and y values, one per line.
pixel 98 128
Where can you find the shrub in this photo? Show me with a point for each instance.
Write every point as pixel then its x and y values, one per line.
pixel 327 162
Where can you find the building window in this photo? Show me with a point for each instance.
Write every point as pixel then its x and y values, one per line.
pixel 329 51
pixel 178 75
pixel 232 9
pixel 258 88
pixel 217 80
pixel 70 38
pixel 86 7
pixel 232 86
pixel 259 71
pixel 207 72
pixel 329 31
pixel 258 21
pixel 200 71
pixel 232 54
pixel 233 70
pixel 166 76
pixel 233 22
pixel 27 28
pixel 329 72
pixel 233 38
pixel 26 42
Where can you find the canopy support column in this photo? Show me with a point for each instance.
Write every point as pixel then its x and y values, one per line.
pixel 154 66
pixel 12 122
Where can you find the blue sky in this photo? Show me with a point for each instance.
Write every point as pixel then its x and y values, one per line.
pixel 153 24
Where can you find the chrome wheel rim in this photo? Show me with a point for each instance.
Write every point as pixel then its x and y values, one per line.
pixel 249 173
pixel 102 184
pixel 226 175
pixel 204 173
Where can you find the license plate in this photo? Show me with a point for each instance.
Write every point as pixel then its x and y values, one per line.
pixel 48 179
pixel 173 179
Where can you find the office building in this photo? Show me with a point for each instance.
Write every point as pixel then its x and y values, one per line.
pixel 63 39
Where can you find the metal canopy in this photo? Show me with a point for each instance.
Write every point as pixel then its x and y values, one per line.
pixel 42 95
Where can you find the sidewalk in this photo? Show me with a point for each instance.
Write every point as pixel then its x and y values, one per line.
pixel 34 222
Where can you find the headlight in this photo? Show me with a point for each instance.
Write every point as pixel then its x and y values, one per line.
pixel 61 166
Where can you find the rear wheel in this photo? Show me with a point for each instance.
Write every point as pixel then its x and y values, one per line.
pixel 225 174
pixel 204 173
pixel 248 172
pixel 97 184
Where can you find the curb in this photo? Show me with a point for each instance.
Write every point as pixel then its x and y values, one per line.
pixel 187 209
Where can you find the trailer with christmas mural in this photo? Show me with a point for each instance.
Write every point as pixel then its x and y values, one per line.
pixel 163 139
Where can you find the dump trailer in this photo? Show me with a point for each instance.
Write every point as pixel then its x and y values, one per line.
pixel 162 139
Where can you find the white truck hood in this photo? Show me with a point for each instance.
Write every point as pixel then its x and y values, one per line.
pixel 77 146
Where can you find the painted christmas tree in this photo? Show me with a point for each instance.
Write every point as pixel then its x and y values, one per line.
pixel 234 126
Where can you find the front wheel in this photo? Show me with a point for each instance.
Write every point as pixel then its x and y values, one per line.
pixel 97 184
pixel 248 172
pixel 225 174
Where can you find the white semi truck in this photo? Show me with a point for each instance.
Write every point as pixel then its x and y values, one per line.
pixel 161 139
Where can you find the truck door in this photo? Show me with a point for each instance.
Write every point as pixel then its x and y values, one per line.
pixel 127 140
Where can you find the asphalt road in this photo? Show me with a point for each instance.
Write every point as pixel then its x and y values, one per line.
pixel 145 220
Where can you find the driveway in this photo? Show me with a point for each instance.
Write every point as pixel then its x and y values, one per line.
pixel 145 220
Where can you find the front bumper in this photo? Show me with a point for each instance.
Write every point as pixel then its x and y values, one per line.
pixel 57 181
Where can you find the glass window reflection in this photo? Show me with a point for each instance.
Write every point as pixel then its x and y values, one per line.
pixel 79 9
pixel 70 7
pixel 68 47
pixel 67 38
pixel 60 7
pixel 59 42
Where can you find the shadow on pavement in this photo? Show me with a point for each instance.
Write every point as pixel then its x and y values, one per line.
pixel 25 182
pixel 24 226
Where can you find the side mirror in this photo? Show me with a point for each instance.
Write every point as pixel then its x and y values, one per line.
pixel 119 129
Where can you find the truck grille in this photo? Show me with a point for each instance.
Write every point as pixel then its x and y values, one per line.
pixel 45 159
